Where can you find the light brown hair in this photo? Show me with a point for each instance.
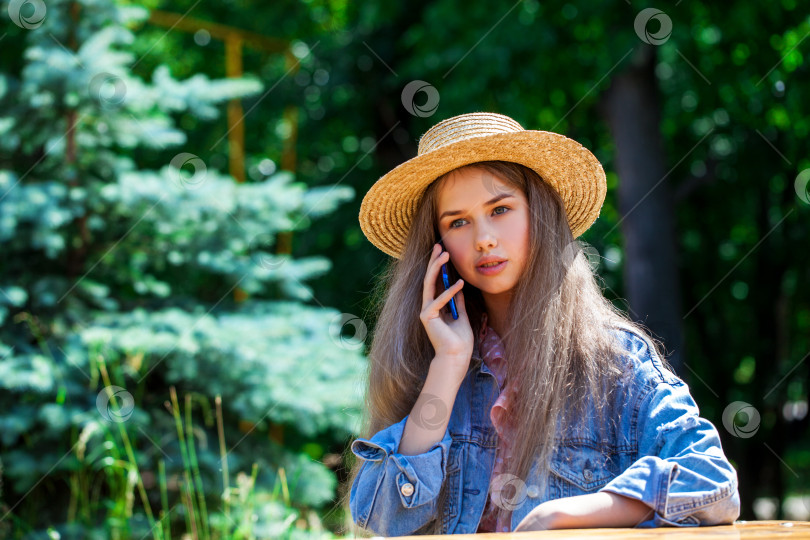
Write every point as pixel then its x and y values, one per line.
pixel 558 347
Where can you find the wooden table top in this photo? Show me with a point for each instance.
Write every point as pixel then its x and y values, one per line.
pixel 740 529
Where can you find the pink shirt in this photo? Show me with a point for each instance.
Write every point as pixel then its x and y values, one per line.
pixel 492 353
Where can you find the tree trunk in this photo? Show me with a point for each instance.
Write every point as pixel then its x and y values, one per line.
pixel 632 110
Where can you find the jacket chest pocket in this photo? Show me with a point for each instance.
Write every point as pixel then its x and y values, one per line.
pixel 582 468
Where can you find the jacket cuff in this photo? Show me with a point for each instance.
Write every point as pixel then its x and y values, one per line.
pixel 418 478
pixel 652 480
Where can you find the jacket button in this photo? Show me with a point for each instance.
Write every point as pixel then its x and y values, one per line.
pixel 406 489
pixel 588 474
pixel 533 491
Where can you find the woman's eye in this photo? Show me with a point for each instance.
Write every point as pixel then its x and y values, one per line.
pixel 452 224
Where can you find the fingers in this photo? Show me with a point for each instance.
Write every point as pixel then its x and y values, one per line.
pixel 429 287
pixel 431 304
pixel 437 258
pixel 445 297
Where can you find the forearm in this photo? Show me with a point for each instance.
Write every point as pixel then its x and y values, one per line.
pixel 602 509
pixel 595 510
pixel 430 415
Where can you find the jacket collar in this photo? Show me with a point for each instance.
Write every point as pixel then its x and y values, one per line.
pixel 482 366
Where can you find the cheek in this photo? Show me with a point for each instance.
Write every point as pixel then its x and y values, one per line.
pixel 459 258
pixel 516 222
pixel 463 263
pixel 518 236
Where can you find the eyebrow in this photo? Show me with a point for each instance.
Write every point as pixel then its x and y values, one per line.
pixel 489 202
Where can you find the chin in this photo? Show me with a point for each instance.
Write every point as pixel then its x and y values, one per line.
pixel 495 286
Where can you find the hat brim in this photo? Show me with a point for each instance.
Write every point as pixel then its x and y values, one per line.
pixel 387 210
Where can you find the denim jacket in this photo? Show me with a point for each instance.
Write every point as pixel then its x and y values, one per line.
pixel 661 453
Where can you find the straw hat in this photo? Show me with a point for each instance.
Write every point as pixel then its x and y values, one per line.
pixel 388 208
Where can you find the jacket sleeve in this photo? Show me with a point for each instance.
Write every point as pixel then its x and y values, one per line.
pixel 394 494
pixel 682 474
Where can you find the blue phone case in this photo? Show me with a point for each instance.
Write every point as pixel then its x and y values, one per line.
pixel 446 281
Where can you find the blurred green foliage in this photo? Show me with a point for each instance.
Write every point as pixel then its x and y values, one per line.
pixel 120 277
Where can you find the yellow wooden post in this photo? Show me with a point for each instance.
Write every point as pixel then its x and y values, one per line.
pixel 288 156
pixel 236 124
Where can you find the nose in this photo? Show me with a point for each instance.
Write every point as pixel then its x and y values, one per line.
pixel 484 239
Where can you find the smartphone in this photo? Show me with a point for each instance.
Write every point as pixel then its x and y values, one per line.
pixel 446 281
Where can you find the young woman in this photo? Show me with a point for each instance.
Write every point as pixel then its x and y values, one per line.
pixel 541 405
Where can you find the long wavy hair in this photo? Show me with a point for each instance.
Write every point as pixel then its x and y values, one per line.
pixel 558 346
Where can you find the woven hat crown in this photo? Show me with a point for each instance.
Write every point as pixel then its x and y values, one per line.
pixel 464 127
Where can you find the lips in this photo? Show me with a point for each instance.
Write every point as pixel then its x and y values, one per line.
pixel 488 260
pixel 492 270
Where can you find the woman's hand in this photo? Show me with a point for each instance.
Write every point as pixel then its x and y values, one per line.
pixel 541 518
pixel 451 339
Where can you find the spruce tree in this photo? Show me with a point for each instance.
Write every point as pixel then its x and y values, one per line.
pixel 117 301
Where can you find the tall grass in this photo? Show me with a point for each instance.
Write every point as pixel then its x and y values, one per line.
pixel 232 519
